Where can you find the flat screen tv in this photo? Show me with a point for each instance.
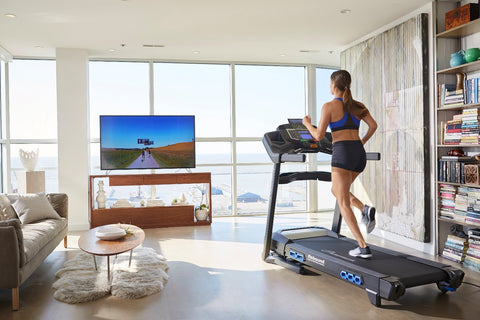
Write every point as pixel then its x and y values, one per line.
pixel 147 142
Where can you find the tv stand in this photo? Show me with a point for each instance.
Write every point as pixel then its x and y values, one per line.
pixel 150 217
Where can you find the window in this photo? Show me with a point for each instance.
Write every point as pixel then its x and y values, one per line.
pixel 266 96
pixel 326 200
pixel 202 90
pixel 117 88
pixel 32 121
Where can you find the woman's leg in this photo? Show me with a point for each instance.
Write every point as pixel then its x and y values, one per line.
pixel 341 182
pixel 354 200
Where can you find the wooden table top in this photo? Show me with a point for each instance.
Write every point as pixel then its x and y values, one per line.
pixel 89 242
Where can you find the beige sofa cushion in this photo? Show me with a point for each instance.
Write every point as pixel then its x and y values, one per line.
pixel 6 207
pixel 36 235
pixel 34 207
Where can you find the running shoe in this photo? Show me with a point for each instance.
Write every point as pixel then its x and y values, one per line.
pixel 358 252
pixel 368 218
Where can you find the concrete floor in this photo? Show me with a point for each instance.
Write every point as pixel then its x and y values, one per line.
pixel 217 273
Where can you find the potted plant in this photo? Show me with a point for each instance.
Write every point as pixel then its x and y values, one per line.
pixel 201 212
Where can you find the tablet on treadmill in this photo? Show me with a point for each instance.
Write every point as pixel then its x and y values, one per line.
pixel 297 124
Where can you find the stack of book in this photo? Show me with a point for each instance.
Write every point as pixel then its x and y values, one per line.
pixel 469 126
pixel 453 132
pixel 452 168
pixel 473 209
pixel 461 204
pixel 447 201
pixel 455 248
pixel 453 97
pixel 472 257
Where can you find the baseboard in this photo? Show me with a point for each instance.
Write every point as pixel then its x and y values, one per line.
pixel 78 226
pixel 428 248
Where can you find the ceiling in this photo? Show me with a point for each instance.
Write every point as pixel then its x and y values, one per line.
pixel 275 31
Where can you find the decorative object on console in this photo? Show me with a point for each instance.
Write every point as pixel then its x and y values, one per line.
pixel 155 203
pixel 29 159
pixel 201 212
pixel 122 203
pixel 101 197
pixel 180 201
pixel 457 58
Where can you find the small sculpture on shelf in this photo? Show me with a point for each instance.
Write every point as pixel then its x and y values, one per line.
pixel 180 201
pixel 29 159
pixel 101 197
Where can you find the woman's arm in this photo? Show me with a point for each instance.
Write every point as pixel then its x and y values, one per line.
pixel 319 132
pixel 372 127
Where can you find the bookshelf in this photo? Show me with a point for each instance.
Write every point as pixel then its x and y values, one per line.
pixel 448 42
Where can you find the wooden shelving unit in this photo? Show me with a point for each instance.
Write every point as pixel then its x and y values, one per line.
pixel 150 217
pixel 456 35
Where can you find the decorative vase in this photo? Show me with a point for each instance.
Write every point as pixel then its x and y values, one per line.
pixel 460 79
pixel 457 58
pixel 472 54
pixel 201 214
pixel 101 197
pixel 29 159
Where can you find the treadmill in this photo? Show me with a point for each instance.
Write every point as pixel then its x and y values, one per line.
pixel 384 276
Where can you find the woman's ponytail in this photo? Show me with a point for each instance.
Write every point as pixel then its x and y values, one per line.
pixel 342 81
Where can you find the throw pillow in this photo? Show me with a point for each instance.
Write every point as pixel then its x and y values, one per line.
pixel 34 207
pixel 7 211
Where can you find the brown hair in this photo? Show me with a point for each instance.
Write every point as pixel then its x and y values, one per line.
pixel 342 80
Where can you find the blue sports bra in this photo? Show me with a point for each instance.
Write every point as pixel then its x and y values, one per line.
pixel 347 122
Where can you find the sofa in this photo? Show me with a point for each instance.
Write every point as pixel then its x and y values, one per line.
pixel 31 227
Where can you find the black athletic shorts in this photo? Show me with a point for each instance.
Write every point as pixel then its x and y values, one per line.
pixel 349 155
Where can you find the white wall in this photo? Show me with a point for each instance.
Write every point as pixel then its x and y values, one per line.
pixel 73 133
pixel 430 246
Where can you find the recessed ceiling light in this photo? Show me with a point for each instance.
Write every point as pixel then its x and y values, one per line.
pixel 345 11
pixel 309 51
pixel 10 15
pixel 195 52
pixel 111 50
pixel 282 54
pixel 38 47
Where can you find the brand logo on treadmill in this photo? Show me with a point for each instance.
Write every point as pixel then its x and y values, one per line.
pixel 316 260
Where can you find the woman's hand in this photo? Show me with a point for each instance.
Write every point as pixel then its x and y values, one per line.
pixel 307 120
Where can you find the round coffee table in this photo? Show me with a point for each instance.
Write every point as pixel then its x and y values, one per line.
pixel 89 243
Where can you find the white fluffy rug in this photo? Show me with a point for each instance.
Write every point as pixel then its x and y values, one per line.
pixel 79 282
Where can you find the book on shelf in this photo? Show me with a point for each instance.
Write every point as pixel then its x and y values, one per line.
pixel 455 248
pixel 472 256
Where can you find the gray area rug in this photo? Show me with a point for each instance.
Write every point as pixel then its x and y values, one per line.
pixel 78 281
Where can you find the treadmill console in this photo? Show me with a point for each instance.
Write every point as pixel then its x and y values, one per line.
pixel 294 138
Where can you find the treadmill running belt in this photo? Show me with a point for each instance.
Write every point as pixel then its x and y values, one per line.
pixel 411 273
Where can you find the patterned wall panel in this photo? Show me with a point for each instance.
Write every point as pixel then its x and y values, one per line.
pixel 390 75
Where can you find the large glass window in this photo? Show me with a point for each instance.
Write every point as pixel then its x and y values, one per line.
pixel 266 96
pixel 32 122
pixel 326 200
pixel 117 88
pixel 202 90
pixel 33 99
